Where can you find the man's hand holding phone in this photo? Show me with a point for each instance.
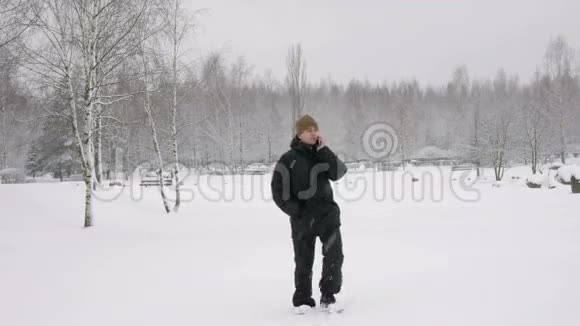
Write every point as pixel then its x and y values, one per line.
pixel 320 143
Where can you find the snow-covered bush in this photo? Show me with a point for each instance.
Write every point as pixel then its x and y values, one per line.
pixel 12 175
pixel 566 172
pixel 535 181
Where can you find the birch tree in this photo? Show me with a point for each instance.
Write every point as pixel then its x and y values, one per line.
pixel 149 54
pixel 536 125
pixel 558 64
pixel 225 91
pixel 54 60
pixel 178 25
pixel 497 142
pixel 296 81
pixel 80 44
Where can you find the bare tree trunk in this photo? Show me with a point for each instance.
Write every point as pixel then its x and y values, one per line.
pixel 178 28
pixel 241 147
pixel 84 153
pixel 475 150
pixel 153 129
pixel 130 135
pixel 4 140
pixel 174 148
pixel 536 150
pixel 559 59
pixel 535 153
pixel 269 145
pixel 99 149
pixel 194 150
pixel 500 144
pixel 157 151
pixel 176 43
pixel 296 80
pixel 403 139
pixel 500 168
pixel 89 170
pixel 90 91
pixel 562 136
pixel 531 130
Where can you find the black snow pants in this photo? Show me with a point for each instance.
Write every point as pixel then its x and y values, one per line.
pixel 305 230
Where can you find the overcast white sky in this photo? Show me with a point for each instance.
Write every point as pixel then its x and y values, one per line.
pixel 390 39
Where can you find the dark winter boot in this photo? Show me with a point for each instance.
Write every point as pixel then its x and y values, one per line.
pixel 302 307
pixel 305 306
pixel 326 300
pixel 304 302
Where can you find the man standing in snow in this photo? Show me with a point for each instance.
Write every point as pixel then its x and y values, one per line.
pixel 301 189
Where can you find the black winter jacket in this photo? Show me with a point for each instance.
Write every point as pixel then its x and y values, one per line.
pixel 300 183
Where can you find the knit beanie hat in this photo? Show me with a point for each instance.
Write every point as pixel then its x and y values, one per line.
pixel 304 123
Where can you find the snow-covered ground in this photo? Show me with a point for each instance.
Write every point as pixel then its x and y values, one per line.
pixel 481 255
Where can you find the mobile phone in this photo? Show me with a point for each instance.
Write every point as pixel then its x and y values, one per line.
pixel 317 142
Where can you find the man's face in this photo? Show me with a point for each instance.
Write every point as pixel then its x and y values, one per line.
pixel 309 136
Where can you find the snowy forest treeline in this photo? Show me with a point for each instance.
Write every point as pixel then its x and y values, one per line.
pixel 88 83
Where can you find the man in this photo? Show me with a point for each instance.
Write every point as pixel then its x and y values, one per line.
pixel 301 189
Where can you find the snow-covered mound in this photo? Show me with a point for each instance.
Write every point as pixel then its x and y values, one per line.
pixel 536 180
pixel 566 172
pixel 432 151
